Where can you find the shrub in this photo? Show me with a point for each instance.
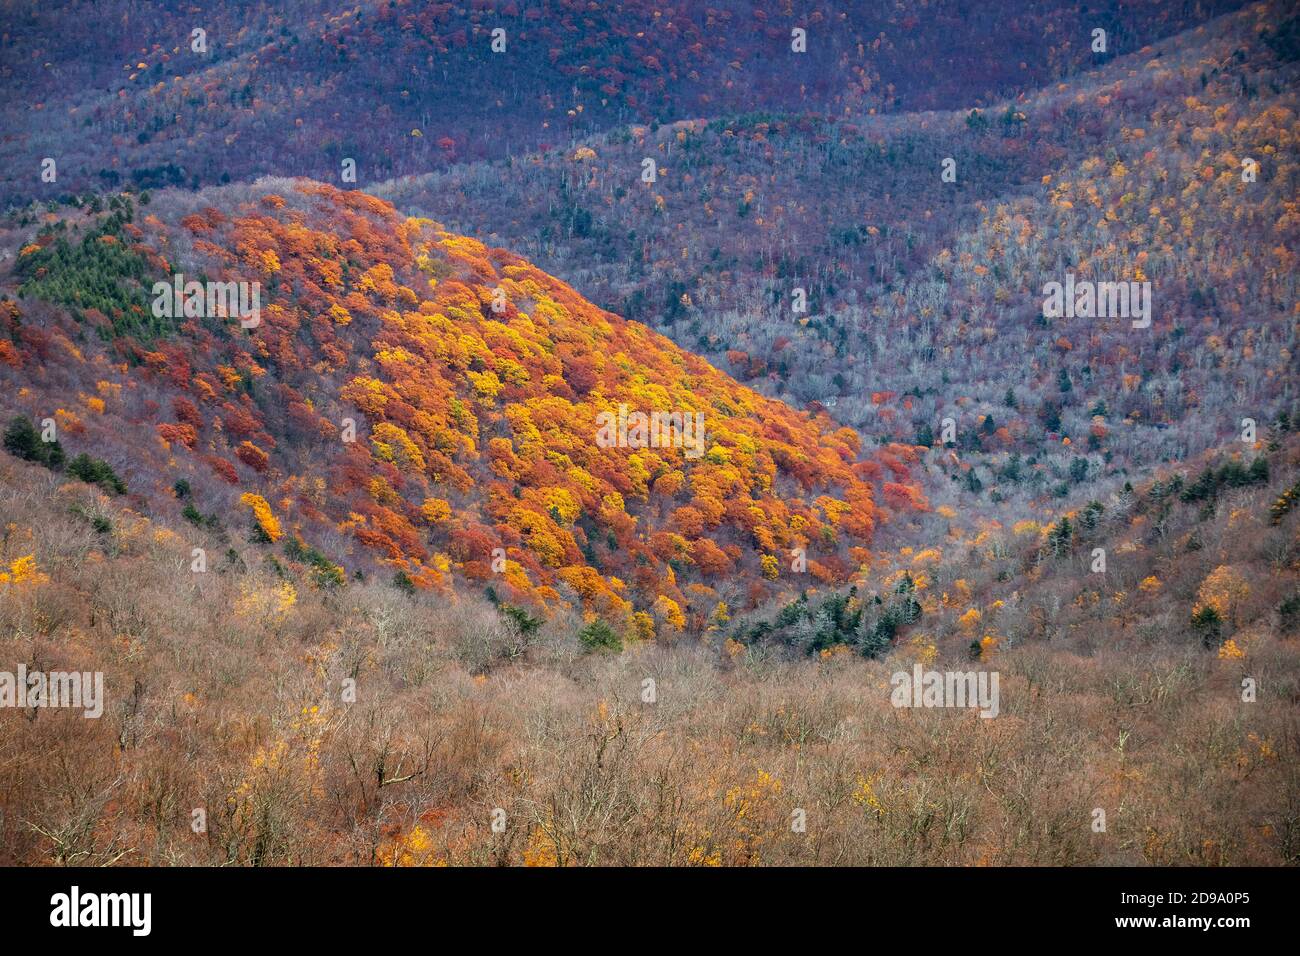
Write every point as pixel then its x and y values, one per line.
pixel 1288 613
pixel 599 635
pixel 325 573
pixel 96 471
pixel 1283 504
pixel 522 620
pixel 1208 625
pixel 22 440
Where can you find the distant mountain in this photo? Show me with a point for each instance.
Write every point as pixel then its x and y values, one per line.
pixel 153 94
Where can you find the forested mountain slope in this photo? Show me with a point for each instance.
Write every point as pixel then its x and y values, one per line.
pixel 925 297
pixel 414 398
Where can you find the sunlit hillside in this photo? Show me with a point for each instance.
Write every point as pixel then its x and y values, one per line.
pixel 415 402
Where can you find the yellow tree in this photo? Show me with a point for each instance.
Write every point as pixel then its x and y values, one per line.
pixel 1224 589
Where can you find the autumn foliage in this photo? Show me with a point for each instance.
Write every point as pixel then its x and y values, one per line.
pixel 432 404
